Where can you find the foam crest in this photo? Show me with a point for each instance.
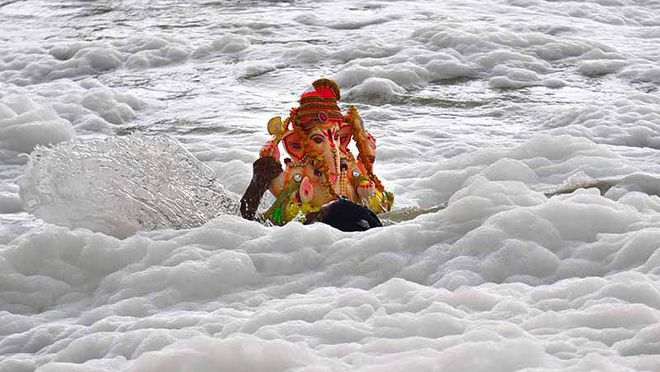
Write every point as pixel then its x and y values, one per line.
pixel 88 105
pixel 632 120
pixel 509 59
pixel 542 162
pixel 26 125
pixel 346 23
pixel 76 59
pixel 227 44
pixel 158 291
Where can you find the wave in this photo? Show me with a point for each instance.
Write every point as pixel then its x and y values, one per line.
pixel 119 185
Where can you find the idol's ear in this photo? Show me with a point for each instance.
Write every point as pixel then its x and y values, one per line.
pixel 293 145
pixel 345 134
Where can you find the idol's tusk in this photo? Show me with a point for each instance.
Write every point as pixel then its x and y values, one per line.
pixel 339 180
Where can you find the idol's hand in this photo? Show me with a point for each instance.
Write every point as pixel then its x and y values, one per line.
pixel 306 190
pixel 365 189
pixel 270 149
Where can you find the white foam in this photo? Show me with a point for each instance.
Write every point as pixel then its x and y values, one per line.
pixel 520 78
pixel 105 103
pixel 544 159
pixel 32 127
pixel 509 234
pixel 88 105
pixel 648 73
pixel 386 325
pixel 342 23
pixel 601 67
pixel 407 74
pixel 370 48
pixel 630 121
pixel 227 44
pixel 10 202
pixel 511 275
pixel 70 60
pixel 511 60
pixel 375 89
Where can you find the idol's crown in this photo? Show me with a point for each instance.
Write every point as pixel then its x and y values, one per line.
pixel 318 106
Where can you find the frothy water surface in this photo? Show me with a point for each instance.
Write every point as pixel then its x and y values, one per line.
pixel 486 107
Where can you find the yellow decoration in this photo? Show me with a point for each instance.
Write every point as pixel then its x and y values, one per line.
pixel 276 128
pixel 293 209
pixel 381 201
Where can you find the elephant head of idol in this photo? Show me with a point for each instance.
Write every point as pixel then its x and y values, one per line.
pixel 318 133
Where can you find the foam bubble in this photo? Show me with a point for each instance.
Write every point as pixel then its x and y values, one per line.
pixel 227 44
pixel 375 89
pixel 406 74
pixel 520 78
pixel 88 105
pixel 105 103
pixel 32 127
pixel 304 53
pixel 630 120
pixel 10 202
pixel 74 59
pixel 648 73
pixel 311 19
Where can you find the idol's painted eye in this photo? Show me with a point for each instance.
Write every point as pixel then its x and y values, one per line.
pixel 318 139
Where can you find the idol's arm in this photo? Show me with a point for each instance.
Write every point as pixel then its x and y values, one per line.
pixel 265 170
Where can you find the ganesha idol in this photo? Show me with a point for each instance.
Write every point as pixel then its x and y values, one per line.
pixel 321 167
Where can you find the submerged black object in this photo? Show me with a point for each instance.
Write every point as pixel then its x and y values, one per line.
pixel 345 215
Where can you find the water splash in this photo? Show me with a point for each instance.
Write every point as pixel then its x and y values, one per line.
pixel 119 185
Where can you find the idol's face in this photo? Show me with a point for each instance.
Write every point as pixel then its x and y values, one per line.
pixel 323 140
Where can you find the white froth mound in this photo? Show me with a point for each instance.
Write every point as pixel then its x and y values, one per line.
pixel 542 163
pixel 227 44
pixel 9 199
pixel 87 105
pixel 343 23
pixel 633 120
pixel 74 59
pixel 504 278
pixel 24 125
pixel 545 259
pixel 456 50
pixel 520 78
pixel 271 301
pixel 375 89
